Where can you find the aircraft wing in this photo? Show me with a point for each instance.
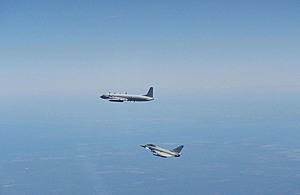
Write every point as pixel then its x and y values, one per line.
pixel 116 99
pixel 161 154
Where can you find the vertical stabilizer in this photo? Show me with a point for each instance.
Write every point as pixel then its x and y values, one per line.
pixel 178 149
pixel 150 92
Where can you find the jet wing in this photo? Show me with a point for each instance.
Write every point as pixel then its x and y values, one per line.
pixel 161 154
pixel 117 99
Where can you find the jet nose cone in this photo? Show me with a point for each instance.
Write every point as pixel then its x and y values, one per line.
pixel 103 96
pixel 143 146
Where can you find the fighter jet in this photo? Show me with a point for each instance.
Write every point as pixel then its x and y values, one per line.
pixel 119 97
pixel 161 152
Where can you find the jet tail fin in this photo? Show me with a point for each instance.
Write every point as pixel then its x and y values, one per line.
pixel 178 149
pixel 150 92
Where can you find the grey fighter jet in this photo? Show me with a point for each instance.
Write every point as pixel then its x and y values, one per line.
pixel 119 97
pixel 161 152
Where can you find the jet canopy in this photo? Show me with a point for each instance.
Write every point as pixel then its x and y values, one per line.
pixel 150 145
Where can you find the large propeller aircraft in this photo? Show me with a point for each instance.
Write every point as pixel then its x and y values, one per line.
pixel 119 97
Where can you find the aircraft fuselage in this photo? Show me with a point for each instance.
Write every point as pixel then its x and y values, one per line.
pixel 161 152
pixel 119 97
pixel 125 97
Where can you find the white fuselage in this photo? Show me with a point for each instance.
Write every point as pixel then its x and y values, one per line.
pixel 120 97
pixel 126 97
pixel 158 151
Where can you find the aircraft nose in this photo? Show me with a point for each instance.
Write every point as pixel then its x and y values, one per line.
pixel 103 96
pixel 143 146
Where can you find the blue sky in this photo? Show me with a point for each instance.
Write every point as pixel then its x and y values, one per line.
pixel 78 47
pixel 237 63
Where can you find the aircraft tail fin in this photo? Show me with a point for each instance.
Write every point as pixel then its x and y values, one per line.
pixel 178 149
pixel 150 92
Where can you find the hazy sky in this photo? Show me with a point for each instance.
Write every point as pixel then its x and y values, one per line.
pixel 71 47
pixel 58 137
